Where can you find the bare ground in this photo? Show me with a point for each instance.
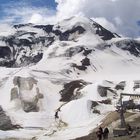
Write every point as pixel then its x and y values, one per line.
pixel 131 118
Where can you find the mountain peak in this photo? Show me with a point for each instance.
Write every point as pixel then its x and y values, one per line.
pixel 49 71
pixel 28 44
pixel 88 24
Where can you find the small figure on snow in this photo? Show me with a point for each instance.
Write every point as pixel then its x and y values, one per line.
pixel 56 114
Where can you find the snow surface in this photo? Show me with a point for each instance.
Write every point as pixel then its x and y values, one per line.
pixel 112 64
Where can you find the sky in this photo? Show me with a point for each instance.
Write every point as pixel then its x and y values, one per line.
pixel 120 16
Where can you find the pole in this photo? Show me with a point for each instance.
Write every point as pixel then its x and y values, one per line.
pixel 123 123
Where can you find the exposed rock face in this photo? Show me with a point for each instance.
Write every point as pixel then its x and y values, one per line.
pixel 65 36
pixel 5 52
pixel 94 104
pixel 18 52
pixel 73 51
pixel 5 122
pixel 107 101
pixel 46 28
pixel 30 106
pixel 67 94
pixel 96 111
pixel 24 83
pixel 129 45
pixel 102 91
pixel 84 63
pixel 26 46
pixel 121 85
pixel 27 92
pixel 104 33
pixel 14 93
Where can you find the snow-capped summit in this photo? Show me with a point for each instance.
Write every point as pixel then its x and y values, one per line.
pixel 62 79
pixel 87 24
pixel 30 42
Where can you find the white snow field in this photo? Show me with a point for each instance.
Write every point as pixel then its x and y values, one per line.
pixel 110 64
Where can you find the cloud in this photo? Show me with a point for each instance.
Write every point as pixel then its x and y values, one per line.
pixel 9 30
pixel 122 14
pixel 36 18
pixel 24 13
pixel 105 23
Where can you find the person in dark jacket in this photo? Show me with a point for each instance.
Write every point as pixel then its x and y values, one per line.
pixel 129 129
pixel 101 129
pixel 99 133
pixel 105 133
pixel 56 114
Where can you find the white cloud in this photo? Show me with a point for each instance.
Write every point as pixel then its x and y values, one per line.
pixel 123 14
pixel 36 18
pixel 9 30
pixel 118 21
pixel 24 13
pixel 105 23
pixel 116 15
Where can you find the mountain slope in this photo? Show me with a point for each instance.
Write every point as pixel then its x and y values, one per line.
pixel 26 44
pixel 60 81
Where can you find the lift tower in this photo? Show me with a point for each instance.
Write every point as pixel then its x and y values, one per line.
pixel 121 109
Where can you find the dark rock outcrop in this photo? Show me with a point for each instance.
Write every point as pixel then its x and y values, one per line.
pixel 132 46
pixel 64 36
pixel 32 105
pixel 96 111
pixel 107 101
pixel 5 52
pixel 73 51
pixel 94 104
pixel 24 47
pixel 18 92
pixel 22 25
pixel 78 49
pixel 5 121
pixel 46 28
pixel 18 52
pixel 102 91
pixel 67 94
pixel 120 86
pixel 14 93
pixel 79 67
pixel 84 63
pixel 104 33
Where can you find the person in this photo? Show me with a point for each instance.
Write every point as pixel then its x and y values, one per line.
pixel 99 133
pixel 129 129
pixel 56 113
pixel 105 133
pixel 101 129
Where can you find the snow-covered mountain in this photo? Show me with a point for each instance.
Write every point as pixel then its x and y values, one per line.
pixel 60 81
